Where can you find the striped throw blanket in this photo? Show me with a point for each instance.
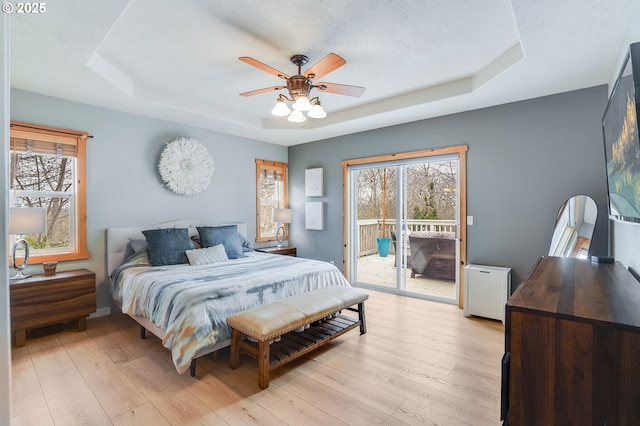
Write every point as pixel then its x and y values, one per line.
pixel 191 303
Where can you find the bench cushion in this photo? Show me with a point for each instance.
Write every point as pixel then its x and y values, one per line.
pixel 274 319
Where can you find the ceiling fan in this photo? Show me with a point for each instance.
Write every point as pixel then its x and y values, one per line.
pixel 300 85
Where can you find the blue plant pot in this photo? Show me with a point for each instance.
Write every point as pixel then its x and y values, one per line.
pixel 383 246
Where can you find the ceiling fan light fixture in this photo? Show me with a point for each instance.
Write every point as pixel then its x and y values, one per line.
pixel 300 85
pixel 280 109
pixel 302 103
pixel 317 111
pixel 297 117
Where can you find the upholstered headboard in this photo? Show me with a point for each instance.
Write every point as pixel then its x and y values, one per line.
pixel 118 237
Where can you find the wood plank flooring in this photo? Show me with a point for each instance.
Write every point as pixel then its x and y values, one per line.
pixel 420 363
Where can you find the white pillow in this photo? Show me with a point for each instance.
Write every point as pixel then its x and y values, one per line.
pixel 207 255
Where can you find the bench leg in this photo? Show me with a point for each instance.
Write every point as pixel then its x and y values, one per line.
pixel 363 321
pixel 263 364
pixel 143 332
pixel 234 357
pixel 192 368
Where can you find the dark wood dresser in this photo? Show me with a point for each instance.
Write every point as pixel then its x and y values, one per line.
pixel 572 346
pixel 42 300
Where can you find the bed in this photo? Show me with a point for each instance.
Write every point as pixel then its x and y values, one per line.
pixel 187 305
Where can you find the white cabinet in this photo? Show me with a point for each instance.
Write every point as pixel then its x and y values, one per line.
pixel 487 289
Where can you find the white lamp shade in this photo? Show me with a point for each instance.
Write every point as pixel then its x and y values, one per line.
pixel 281 109
pixel 27 220
pixel 281 215
pixel 317 111
pixel 297 116
pixel 302 104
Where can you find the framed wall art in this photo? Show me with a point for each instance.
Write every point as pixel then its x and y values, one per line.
pixel 313 182
pixel 314 215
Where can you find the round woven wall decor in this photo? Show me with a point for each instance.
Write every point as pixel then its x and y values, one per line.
pixel 186 166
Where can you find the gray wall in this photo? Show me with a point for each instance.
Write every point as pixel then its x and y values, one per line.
pixel 524 160
pixel 123 185
pixel 626 244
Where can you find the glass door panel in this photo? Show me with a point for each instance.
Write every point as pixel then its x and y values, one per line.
pixel 374 193
pixel 432 225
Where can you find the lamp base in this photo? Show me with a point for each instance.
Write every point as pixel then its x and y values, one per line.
pixel 280 236
pixel 19 276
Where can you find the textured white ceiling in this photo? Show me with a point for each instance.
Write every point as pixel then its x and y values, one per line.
pixel 178 60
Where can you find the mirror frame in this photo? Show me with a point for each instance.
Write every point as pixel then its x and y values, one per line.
pixel 574 227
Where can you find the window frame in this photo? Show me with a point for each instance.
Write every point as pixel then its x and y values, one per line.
pixel 277 167
pixel 29 131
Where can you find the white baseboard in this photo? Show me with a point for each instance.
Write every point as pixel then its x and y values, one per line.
pixel 100 313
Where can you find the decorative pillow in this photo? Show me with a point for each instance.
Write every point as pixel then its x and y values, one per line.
pixel 167 246
pixel 137 245
pixel 226 235
pixel 196 242
pixel 245 243
pixel 207 255
pixel 134 246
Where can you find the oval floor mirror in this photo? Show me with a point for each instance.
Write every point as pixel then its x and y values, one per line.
pixel 574 227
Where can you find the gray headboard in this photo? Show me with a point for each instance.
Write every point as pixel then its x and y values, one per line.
pixel 119 237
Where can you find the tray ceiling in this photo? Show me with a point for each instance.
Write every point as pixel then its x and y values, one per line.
pixel 178 61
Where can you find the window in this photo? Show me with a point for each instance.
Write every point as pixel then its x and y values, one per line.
pixel 48 170
pixel 271 192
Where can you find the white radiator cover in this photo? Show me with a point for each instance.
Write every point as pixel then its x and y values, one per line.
pixel 487 289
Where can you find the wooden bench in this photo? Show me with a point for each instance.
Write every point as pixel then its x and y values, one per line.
pixel 279 319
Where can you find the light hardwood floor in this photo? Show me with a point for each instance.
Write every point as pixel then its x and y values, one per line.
pixel 420 363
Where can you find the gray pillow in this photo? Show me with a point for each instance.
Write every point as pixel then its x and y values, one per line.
pixel 245 243
pixel 167 246
pixel 137 245
pixel 134 246
pixel 226 235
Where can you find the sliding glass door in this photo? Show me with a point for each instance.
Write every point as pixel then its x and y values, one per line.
pixel 403 223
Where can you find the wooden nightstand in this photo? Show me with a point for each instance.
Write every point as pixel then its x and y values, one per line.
pixel 43 300
pixel 288 251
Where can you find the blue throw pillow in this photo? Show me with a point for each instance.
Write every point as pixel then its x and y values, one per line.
pixel 226 235
pixel 167 246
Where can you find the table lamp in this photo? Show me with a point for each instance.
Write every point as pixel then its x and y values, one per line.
pixel 281 216
pixel 23 221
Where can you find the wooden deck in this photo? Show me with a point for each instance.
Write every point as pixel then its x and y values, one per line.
pixel 378 270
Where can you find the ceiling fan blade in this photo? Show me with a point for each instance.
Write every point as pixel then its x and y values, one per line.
pixel 263 67
pixel 324 66
pixel 265 90
pixel 340 89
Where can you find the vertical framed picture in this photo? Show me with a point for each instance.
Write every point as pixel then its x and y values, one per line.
pixel 313 182
pixel 314 215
